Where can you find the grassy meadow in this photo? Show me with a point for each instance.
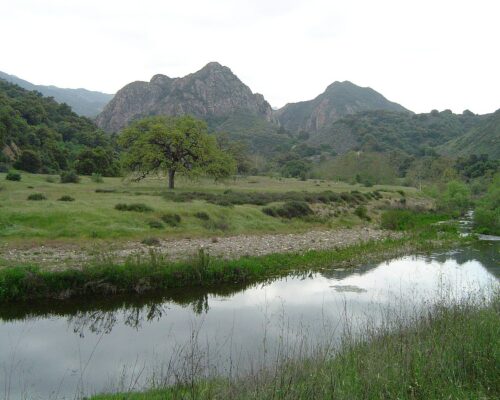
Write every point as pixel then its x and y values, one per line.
pixel 92 214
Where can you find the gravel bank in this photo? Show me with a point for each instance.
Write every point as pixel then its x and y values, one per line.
pixel 229 247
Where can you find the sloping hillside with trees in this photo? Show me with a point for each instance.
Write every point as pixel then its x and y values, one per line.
pixel 37 134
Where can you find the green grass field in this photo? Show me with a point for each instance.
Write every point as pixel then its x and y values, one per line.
pixel 93 215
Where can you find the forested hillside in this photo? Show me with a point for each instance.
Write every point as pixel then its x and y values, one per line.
pixel 482 139
pixel 37 134
pixel 84 102
pixel 383 131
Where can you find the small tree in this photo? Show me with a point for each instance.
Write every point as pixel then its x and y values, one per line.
pixel 173 145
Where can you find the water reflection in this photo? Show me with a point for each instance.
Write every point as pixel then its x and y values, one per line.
pixel 59 349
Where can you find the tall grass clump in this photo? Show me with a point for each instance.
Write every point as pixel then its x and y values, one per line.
pixel 96 178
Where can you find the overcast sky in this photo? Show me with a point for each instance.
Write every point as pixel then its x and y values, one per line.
pixel 422 54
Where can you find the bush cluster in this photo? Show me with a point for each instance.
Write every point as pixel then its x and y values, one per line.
pixel 171 219
pixel 37 197
pixel 202 215
pixel 155 224
pixel 138 207
pixel 230 197
pixel 69 177
pixel 66 198
pixel 13 176
pixel 362 212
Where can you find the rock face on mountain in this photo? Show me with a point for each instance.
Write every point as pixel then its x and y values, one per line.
pixel 212 93
pixel 338 100
pixel 83 102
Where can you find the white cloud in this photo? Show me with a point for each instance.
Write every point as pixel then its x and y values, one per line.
pixel 423 54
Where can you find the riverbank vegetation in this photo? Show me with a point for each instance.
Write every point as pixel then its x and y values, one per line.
pixel 450 351
pixel 487 214
pixel 155 272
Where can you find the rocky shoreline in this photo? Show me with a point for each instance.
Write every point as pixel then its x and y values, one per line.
pixel 227 247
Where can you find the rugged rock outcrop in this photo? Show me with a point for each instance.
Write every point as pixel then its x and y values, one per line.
pixel 212 93
pixel 338 100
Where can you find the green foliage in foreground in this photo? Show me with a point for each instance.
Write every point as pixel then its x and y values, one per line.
pixel 449 353
pixel 147 273
pixel 456 199
pixel 487 214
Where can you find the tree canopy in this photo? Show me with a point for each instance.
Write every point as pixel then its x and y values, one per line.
pixel 173 145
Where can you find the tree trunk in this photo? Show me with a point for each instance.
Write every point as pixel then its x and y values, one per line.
pixel 171 175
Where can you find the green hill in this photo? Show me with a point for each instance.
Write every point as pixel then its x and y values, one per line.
pixel 383 131
pixel 482 139
pixel 84 102
pixel 50 132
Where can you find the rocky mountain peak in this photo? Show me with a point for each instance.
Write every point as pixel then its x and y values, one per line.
pixel 213 91
pixel 338 100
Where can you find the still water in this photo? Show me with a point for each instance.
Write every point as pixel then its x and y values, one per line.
pixel 67 350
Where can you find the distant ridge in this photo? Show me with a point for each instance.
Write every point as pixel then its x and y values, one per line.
pixel 83 102
pixel 338 100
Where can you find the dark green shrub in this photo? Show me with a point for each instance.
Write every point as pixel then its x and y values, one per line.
pixel 50 179
pixel 362 213
pixel 151 241
pixel 269 211
pixel 69 177
pixel 155 224
pixel 13 176
pixel 402 193
pixel 171 219
pixel 294 209
pixel 347 197
pixel 138 207
pixel 66 198
pixel 37 197
pixel 202 215
pixel 105 190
